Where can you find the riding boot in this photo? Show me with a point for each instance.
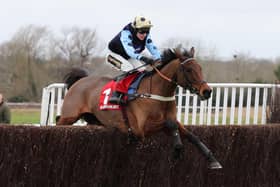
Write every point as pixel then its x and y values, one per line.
pixel 115 98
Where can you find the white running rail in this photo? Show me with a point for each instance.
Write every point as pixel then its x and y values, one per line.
pixel 244 107
pixel 52 99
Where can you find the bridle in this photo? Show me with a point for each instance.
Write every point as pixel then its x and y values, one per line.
pixel 189 84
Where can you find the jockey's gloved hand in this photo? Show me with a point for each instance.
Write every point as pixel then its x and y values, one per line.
pixel 147 60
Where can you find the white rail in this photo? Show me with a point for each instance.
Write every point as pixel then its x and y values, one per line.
pixel 221 112
pixel 190 110
pixel 49 107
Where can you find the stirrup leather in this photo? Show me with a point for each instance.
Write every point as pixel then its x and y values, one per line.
pixel 116 98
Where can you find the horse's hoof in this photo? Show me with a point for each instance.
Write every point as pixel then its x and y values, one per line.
pixel 215 165
pixel 179 146
pixel 132 139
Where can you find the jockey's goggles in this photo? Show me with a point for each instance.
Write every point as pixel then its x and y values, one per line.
pixel 143 31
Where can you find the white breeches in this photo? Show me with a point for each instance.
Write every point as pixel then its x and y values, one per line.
pixel 125 65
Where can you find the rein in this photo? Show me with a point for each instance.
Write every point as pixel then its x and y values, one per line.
pixel 189 84
pixel 164 76
pixel 167 78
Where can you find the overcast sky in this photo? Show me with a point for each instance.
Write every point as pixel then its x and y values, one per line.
pixel 231 26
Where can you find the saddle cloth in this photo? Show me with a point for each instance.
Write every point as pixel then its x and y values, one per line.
pixel 121 86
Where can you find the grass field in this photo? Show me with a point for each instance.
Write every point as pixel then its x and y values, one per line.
pixel 25 116
pixel 220 117
pixel 32 116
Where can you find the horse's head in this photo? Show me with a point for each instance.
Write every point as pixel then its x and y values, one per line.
pixel 189 75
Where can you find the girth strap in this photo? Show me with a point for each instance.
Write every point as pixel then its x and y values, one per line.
pixel 156 97
pixel 125 118
pixel 150 96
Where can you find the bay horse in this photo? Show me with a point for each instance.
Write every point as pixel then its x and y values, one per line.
pixel 144 116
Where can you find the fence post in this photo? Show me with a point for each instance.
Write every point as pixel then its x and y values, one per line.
pixel 44 108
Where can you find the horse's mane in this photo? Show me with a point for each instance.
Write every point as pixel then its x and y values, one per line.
pixel 173 53
pixel 167 56
pixel 74 75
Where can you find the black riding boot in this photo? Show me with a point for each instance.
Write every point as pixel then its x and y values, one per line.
pixel 115 98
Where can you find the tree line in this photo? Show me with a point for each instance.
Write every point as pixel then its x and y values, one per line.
pixel 35 57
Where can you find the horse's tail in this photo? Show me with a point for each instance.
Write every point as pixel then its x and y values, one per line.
pixel 74 75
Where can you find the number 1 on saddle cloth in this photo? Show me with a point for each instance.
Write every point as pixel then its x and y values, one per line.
pixel 126 88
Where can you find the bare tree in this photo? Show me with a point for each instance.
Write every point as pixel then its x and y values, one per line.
pixel 77 45
pixel 201 50
pixel 239 64
pixel 32 41
pixel 277 72
pixel 26 49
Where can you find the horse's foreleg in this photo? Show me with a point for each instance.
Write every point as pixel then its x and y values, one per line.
pixel 214 164
pixel 177 142
pixel 173 127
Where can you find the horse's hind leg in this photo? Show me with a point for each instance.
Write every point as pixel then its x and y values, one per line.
pixel 214 164
pixel 66 121
pixel 70 112
pixel 91 119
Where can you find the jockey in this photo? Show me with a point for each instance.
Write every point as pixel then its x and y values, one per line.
pixel 129 43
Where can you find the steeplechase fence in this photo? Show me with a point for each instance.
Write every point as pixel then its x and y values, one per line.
pixel 230 103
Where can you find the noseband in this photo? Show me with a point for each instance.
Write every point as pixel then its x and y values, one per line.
pixel 189 84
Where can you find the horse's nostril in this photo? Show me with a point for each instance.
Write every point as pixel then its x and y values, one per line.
pixel 207 94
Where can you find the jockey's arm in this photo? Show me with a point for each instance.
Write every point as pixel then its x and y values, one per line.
pixel 152 48
pixel 127 45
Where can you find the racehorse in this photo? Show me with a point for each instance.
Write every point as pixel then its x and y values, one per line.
pixel 143 116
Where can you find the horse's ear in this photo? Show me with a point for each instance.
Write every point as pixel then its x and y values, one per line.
pixel 192 51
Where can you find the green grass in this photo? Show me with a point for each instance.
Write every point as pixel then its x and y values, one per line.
pixel 221 118
pixel 25 116
pixel 32 116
